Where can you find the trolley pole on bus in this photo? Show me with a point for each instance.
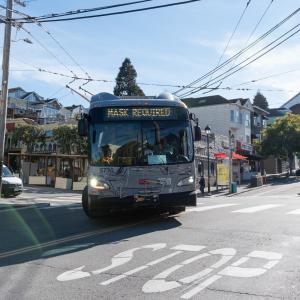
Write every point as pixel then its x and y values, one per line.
pixel 4 87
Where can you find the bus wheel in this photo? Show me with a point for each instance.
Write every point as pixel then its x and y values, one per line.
pixel 176 210
pixel 85 204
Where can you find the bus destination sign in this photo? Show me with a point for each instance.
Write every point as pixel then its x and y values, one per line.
pixel 113 113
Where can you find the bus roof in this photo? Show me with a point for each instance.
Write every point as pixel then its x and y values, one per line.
pixel 109 100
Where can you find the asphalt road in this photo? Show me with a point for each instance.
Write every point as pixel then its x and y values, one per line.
pixel 241 247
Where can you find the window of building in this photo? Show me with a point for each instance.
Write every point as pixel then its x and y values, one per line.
pixel 232 115
pixel 248 139
pixel 240 120
pixel 247 120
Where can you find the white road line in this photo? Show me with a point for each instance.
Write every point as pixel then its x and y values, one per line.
pixel 210 207
pixel 254 209
pixel 294 212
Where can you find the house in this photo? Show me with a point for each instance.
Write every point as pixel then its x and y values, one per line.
pixel 223 116
pixel 275 113
pixel 70 113
pixel 293 104
pixel 22 104
pixel 226 118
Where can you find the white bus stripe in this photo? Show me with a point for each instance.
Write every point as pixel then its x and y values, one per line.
pixel 254 209
pixel 294 212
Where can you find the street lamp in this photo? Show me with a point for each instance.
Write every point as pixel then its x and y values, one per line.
pixel 208 132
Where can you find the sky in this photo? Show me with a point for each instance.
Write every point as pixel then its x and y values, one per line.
pixel 174 45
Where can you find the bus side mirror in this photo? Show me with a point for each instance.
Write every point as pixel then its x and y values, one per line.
pixel 83 127
pixel 197 133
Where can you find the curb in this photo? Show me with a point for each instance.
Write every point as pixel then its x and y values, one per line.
pixel 248 190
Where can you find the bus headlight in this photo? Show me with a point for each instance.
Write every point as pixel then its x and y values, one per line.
pixel 95 183
pixel 186 181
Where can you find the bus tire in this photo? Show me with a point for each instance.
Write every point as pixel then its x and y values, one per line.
pixel 85 204
pixel 176 210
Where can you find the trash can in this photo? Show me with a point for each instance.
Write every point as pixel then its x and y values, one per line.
pixel 233 187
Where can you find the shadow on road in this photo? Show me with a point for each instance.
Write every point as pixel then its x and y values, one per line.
pixel 27 234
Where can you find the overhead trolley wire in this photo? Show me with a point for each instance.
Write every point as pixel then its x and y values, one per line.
pixel 266 77
pixel 110 14
pixel 238 54
pixel 55 40
pixel 81 11
pixel 251 61
pixel 259 21
pixel 233 33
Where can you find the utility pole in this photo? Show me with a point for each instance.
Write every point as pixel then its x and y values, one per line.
pixel 230 162
pixel 4 90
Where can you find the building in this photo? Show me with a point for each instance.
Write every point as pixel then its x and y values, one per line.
pixel 22 104
pixel 70 113
pixel 226 118
pixel 275 113
pixel 293 104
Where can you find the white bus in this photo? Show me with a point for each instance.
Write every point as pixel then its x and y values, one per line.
pixel 141 154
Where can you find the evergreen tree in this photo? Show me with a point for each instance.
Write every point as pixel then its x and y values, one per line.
pixel 260 101
pixel 126 81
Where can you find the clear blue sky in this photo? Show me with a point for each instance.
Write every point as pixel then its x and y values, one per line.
pixel 172 45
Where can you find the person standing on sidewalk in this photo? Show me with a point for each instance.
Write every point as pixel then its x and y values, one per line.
pixel 202 184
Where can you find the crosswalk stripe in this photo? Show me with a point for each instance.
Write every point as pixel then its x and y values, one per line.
pixel 254 209
pixel 294 212
pixel 210 207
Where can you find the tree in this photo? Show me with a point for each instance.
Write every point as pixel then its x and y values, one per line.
pixel 126 81
pixel 69 141
pixel 28 135
pixel 261 101
pixel 282 138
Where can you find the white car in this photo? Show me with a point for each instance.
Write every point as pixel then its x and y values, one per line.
pixel 11 185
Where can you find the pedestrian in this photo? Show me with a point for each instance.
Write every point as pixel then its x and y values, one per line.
pixel 202 184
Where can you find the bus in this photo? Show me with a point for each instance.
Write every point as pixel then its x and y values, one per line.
pixel 141 154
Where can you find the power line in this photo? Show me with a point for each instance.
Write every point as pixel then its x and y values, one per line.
pixel 55 40
pixel 266 77
pixel 257 24
pixel 222 78
pixel 110 14
pixel 48 51
pixel 81 11
pixel 259 21
pixel 238 54
pixel 233 33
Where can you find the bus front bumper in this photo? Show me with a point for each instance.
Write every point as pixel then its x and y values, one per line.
pixel 131 202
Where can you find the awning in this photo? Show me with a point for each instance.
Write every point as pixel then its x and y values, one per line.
pixel 238 156
pixel 235 156
pixel 220 155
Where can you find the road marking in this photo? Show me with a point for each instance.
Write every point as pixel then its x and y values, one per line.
pixel 294 212
pixel 190 285
pixel 133 271
pixel 254 209
pixel 210 207
pixel 201 287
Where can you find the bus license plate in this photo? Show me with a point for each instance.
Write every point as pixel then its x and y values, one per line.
pixel 139 198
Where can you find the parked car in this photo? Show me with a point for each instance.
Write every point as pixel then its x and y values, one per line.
pixel 298 172
pixel 11 185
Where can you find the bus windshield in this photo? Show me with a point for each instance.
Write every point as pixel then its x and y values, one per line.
pixel 138 143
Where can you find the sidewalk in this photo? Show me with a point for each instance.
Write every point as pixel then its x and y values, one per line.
pixel 224 191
